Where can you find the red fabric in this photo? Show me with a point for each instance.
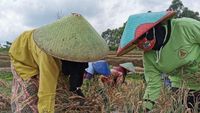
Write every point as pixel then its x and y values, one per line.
pixel 145 44
pixel 116 77
pixel 24 94
pixel 118 69
pixel 143 28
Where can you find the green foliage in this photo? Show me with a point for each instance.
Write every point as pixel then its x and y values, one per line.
pixel 189 13
pixel 5 83
pixel 183 11
pixel 7 76
pixel 177 6
pixel 112 37
pixel 4 49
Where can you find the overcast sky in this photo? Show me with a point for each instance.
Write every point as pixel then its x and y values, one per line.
pixel 17 16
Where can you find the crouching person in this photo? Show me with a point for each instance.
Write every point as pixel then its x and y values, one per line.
pixel 40 58
pixel 171 46
pixel 114 76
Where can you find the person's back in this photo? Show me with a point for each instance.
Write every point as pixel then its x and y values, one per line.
pixel 181 49
pixel 36 61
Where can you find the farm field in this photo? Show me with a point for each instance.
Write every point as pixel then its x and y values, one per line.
pixel 125 98
pixel 135 58
pixel 6 78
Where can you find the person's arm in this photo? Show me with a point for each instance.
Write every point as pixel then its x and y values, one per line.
pixel 48 77
pixel 49 70
pixel 153 82
pixel 89 72
pixel 118 76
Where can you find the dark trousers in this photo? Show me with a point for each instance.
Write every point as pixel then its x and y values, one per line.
pixel 75 81
pixel 192 99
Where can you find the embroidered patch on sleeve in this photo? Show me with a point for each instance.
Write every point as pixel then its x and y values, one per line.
pixel 182 53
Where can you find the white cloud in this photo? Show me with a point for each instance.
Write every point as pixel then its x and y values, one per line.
pixel 19 15
pixel 11 24
pixel 192 4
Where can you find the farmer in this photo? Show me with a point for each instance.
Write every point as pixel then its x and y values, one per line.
pixel 100 67
pixel 171 46
pixel 115 75
pixel 41 57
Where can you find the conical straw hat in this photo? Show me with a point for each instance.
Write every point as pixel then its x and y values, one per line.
pixel 139 24
pixel 128 66
pixel 71 38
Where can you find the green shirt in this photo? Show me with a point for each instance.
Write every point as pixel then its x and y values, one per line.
pixel 179 58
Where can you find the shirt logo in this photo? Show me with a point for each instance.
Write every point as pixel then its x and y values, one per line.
pixel 182 53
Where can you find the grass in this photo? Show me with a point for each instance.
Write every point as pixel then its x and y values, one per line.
pixel 4 50
pixel 5 91
pixel 125 98
pixel 5 82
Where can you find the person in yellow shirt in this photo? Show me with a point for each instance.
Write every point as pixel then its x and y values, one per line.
pixel 41 57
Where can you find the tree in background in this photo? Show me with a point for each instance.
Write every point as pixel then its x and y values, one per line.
pixel 177 6
pixel 7 45
pixel 183 11
pixel 113 36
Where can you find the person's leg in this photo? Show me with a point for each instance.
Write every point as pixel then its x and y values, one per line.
pixel 75 70
pixel 24 94
pixel 76 81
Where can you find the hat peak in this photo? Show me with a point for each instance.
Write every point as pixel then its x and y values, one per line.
pixel 76 14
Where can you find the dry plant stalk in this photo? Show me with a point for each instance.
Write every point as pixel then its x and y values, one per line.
pixel 4 102
pixel 4 84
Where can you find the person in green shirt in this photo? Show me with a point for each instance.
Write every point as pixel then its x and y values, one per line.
pixel 171 47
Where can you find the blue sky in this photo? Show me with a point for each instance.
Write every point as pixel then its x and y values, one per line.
pixel 17 16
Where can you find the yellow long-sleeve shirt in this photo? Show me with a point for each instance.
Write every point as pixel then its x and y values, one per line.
pixel 29 60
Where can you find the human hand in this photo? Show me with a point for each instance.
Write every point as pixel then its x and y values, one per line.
pixel 106 80
pixel 87 76
pixel 112 80
pixel 118 77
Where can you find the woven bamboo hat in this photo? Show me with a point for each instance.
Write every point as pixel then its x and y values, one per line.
pixel 128 66
pixel 71 38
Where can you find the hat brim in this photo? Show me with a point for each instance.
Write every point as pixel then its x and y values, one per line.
pixel 128 66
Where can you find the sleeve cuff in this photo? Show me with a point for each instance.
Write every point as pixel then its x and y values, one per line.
pixel 46 103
